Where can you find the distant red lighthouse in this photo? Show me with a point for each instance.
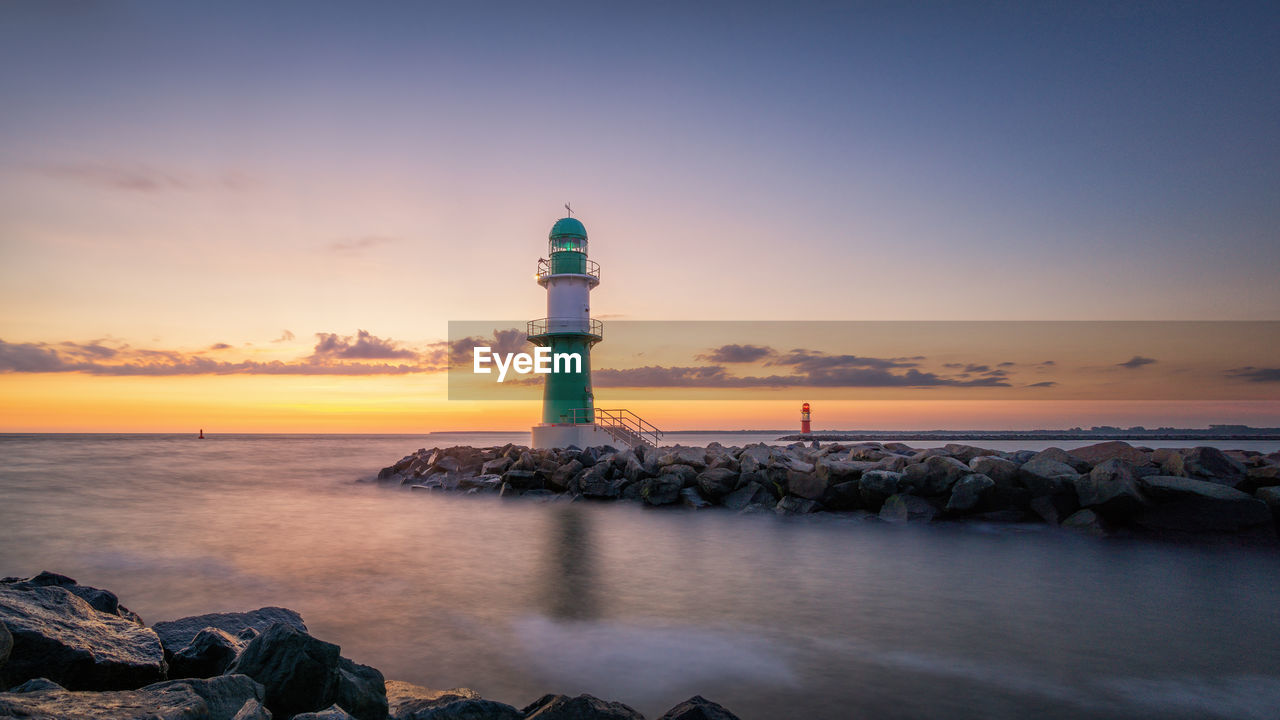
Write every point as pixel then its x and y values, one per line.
pixel 804 419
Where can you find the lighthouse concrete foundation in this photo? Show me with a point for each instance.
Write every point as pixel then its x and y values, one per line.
pixel 581 435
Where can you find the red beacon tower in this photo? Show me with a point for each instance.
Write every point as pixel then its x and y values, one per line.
pixel 804 419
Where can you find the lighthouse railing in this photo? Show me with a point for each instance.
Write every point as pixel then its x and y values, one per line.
pixel 620 423
pixel 568 266
pixel 568 325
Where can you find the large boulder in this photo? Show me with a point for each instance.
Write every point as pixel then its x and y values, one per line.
pixel 1111 489
pixel 1260 477
pixel 1087 522
pixel 57 635
pixel 405 700
pixel 698 708
pixel 220 698
pixel 661 490
pixel 1003 472
pixel 1271 497
pixel 966 453
pixel 903 508
pixel 1094 454
pixel 969 492
pixel 597 482
pixel 1204 463
pixel 177 634
pixel 209 654
pixel 1046 476
pixel 934 476
pixel 303 674
pixel 749 494
pixel 333 712
pixel 792 505
pixel 843 496
pixel 807 485
pixel 582 707
pixel 1057 454
pixel 876 486
pixel 460 708
pixel 563 474
pixel 834 472
pixel 101 600
pixel 754 457
pixel 1190 505
pixel 694 457
pixel 717 483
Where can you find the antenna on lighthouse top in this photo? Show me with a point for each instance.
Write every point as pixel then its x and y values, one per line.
pixel 569 209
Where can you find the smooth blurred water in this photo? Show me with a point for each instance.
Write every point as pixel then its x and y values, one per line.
pixel 773 618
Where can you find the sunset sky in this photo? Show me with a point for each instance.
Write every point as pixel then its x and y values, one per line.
pixel 262 217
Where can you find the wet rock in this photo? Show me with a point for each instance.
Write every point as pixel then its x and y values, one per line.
pixel 752 492
pixel 6 646
pixel 457 708
pixel 215 699
pixel 58 635
pixel 209 654
pixel 1190 505
pixel 303 674
pixel 177 634
pixel 968 492
pixel 252 710
pixel 717 482
pixel 1053 509
pixel 521 479
pixel 333 712
pixel 1079 465
pixel 903 508
pixel 694 457
pixel 1260 477
pixel 792 505
pixel 1003 472
pixel 582 707
pixel 754 457
pixel 597 483
pixel 1046 476
pixel 1204 463
pixel 561 477
pixel 497 466
pixel 966 453
pixel 807 485
pixel 843 497
pixel 834 472
pixel 1114 449
pixel 1271 496
pixel 698 708
pixel 1087 522
pixel 99 599
pixel 405 699
pixel 876 486
pixel 691 498
pixel 661 490
pixel 1111 489
pixel 934 476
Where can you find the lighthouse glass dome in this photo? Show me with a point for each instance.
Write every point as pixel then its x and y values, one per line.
pixel 567 235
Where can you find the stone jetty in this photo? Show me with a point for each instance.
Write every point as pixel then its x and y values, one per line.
pixel 1104 489
pixel 72 652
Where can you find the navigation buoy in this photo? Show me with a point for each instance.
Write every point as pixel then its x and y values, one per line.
pixel 804 419
pixel 201 434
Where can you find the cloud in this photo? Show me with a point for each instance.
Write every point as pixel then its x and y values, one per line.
pixel 139 178
pixel 1007 364
pixel 285 336
pixel 1045 384
pixel 351 246
pixel 1255 374
pixel 1049 363
pixel 1135 362
pixel 503 342
pixel 341 356
pixel 717 376
pixel 812 360
pixel 737 353
pixel 364 347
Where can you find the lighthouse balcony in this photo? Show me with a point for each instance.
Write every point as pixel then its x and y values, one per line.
pixel 543 328
pixel 568 264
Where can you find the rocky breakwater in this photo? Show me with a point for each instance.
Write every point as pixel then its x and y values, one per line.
pixel 72 652
pixel 1102 489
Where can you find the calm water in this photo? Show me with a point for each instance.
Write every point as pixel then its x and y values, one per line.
pixel 772 618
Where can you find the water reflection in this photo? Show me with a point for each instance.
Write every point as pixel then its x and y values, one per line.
pixel 568 579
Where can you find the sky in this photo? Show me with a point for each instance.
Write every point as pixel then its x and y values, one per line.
pixel 322 187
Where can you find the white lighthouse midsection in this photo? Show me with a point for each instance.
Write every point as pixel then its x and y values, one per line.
pixel 569 303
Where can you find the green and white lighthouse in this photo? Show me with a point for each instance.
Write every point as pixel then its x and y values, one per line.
pixel 569 412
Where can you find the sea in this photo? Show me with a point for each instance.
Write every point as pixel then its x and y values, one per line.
pixel 814 617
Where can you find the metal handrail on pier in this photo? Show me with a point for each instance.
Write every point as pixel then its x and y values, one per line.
pixel 621 424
